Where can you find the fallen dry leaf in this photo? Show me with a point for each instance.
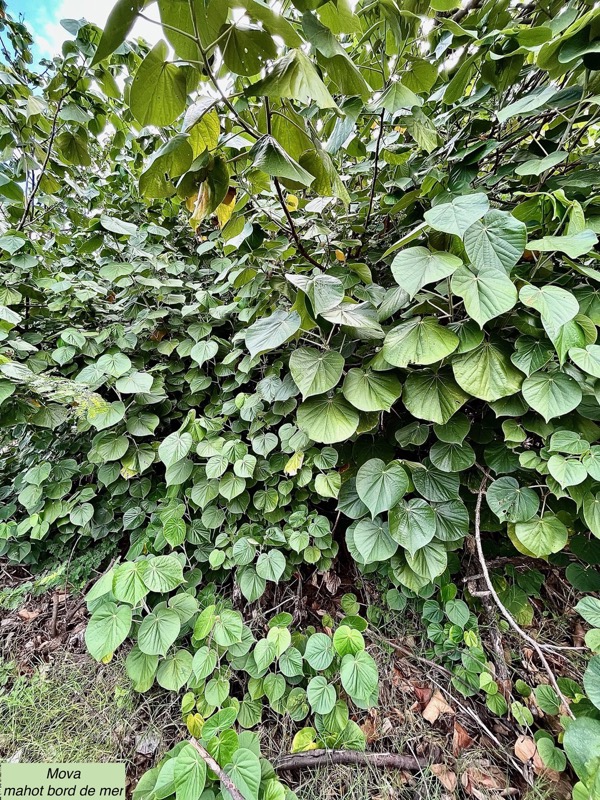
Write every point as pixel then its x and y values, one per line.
pixel 525 748
pixel 422 693
pixel 436 707
pixel 445 776
pixel 460 739
pixel 332 581
pixel 28 616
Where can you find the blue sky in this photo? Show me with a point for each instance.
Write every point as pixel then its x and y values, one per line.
pixel 43 19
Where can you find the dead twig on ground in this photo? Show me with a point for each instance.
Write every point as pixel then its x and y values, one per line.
pixel 318 758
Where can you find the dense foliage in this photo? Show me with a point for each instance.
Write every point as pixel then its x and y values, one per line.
pixel 297 286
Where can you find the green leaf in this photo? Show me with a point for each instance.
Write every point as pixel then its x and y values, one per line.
pixel 591 680
pixel 190 773
pixel 117 28
pixel 556 305
pixel 381 486
pixel 295 78
pixel 244 770
pixel 228 628
pixel 589 608
pixel 371 391
pixel 314 371
pixel 134 383
pixel 591 513
pixel 486 372
pixel 458 215
pixel 246 51
pixel 161 573
pixel 574 245
pixel 542 536
pixel 141 669
pixel 452 457
pixel 359 676
pixel 496 242
pixel 175 447
pixel 566 471
pixel 415 267
pixel 271 332
pixel 551 394
pixel 158 92
pixel 321 695
pixel 398 97
pixel 319 651
pixel 128 585
pixel 433 396
pixel 271 565
pixel 328 419
pixel 107 629
pixel 582 746
pixel 511 502
pixel 587 359
pixel 486 292
pixel 348 640
pixel 174 670
pixel 373 541
pixel 412 524
pixel 158 631
pixel 421 340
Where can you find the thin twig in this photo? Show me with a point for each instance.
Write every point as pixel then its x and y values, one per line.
pixel 318 758
pixel 502 608
pixel 223 776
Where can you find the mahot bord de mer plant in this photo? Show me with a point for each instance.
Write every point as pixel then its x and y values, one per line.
pixel 309 287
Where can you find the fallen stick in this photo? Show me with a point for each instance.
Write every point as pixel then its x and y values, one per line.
pixel 212 764
pixel 318 758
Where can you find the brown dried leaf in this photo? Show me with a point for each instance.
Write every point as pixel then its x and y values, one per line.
pixel 460 739
pixel 525 748
pixel 445 776
pixel 28 616
pixel 436 707
pixel 332 581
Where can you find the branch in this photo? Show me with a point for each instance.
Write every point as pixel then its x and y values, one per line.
pixel 375 173
pixel 503 610
pixel 36 186
pixel 318 758
pixel 222 776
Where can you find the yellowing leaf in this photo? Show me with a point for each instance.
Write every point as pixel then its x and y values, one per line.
pixel 340 256
pixel 291 202
pixel 294 464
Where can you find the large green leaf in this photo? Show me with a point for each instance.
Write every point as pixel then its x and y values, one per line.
pixel 244 770
pixel 158 631
pixel 315 371
pixel 542 536
pixel 415 267
pixel 190 773
pixel 107 629
pixel 556 306
pixel 293 77
pixel 487 372
pixel 158 92
pixel 497 241
pixel 458 215
pixel 421 340
pixel 412 524
pixel 271 332
pixel 373 541
pixel 174 671
pixel 587 359
pixel 380 486
pixel 511 502
pixel 433 396
pixel 487 292
pixel 551 394
pixel 328 419
pixel 359 675
pixel 268 155
pixel 246 51
pixel 574 245
pixel 118 26
pixel 371 391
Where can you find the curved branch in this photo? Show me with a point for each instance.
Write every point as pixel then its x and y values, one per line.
pixel 502 608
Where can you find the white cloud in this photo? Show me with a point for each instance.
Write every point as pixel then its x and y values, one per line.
pixel 49 34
